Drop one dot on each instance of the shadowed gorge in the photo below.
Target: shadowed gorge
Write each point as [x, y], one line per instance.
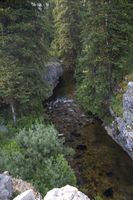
[101, 166]
[66, 85]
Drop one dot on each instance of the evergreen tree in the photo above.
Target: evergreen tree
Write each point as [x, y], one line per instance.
[24, 43]
[67, 18]
[103, 61]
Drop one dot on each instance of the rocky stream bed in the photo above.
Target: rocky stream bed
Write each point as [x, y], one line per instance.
[101, 166]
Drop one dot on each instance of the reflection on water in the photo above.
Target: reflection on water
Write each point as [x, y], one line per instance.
[101, 166]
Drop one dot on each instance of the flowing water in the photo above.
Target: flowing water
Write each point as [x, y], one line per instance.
[101, 166]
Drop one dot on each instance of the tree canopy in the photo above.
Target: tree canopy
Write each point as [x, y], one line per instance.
[24, 46]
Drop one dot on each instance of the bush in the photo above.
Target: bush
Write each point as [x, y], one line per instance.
[117, 97]
[98, 198]
[117, 104]
[40, 158]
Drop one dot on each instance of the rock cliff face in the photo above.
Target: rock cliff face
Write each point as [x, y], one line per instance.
[121, 130]
[52, 74]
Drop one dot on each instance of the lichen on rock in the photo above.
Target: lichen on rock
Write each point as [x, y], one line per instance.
[54, 70]
[6, 187]
[121, 128]
[66, 193]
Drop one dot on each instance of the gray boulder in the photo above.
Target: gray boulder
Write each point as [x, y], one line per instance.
[6, 187]
[52, 74]
[130, 84]
[27, 195]
[66, 193]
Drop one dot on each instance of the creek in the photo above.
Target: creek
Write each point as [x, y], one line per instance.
[101, 166]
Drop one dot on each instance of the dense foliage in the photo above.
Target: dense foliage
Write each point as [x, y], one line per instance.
[66, 42]
[105, 57]
[24, 42]
[94, 38]
[38, 156]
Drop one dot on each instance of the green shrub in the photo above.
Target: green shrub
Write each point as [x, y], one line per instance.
[40, 158]
[117, 104]
[98, 198]
[117, 97]
[3, 132]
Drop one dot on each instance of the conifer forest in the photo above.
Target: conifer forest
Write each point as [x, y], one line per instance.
[65, 68]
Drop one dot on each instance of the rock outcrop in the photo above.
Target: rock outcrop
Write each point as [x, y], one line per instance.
[121, 130]
[66, 193]
[6, 187]
[52, 74]
[9, 185]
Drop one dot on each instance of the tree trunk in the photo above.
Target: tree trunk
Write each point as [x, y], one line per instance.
[13, 112]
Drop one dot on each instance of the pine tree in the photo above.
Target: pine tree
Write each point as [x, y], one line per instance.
[103, 61]
[24, 43]
[67, 17]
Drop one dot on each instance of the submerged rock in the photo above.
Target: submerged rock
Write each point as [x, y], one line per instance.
[108, 193]
[75, 134]
[81, 147]
[65, 193]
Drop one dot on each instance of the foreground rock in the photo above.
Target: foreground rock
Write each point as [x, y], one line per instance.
[27, 195]
[121, 130]
[20, 186]
[65, 193]
[6, 187]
